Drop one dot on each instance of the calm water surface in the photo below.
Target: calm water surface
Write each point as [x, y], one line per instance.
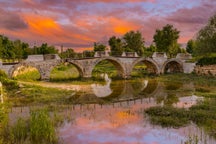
[113, 113]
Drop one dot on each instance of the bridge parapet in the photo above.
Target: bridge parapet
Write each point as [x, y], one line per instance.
[129, 54]
[36, 58]
[184, 56]
[160, 58]
[101, 54]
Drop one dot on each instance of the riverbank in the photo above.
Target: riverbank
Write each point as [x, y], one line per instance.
[165, 90]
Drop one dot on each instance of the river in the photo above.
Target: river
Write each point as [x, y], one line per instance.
[112, 112]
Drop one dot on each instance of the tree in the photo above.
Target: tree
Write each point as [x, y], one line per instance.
[191, 44]
[99, 47]
[206, 38]
[149, 50]
[116, 46]
[44, 49]
[133, 41]
[87, 53]
[166, 40]
[69, 53]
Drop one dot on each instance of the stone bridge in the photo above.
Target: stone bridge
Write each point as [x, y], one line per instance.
[157, 64]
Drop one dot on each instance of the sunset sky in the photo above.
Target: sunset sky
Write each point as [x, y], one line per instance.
[79, 23]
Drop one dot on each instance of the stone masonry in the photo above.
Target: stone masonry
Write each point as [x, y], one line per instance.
[158, 64]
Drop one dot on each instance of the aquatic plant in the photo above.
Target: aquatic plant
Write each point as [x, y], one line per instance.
[203, 114]
[19, 131]
[41, 128]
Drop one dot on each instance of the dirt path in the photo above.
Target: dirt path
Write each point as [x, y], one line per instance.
[65, 86]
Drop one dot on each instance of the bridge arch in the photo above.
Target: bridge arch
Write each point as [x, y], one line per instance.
[152, 65]
[172, 66]
[115, 61]
[16, 67]
[78, 67]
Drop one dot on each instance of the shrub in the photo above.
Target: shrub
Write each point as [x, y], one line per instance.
[207, 61]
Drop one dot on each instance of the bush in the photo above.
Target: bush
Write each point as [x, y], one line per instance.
[9, 84]
[207, 61]
[3, 74]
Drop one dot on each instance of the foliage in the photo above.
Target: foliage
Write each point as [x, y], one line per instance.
[116, 46]
[15, 50]
[104, 67]
[206, 61]
[148, 52]
[43, 49]
[64, 72]
[99, 47]
[166, 40]
[87, 53]
[168, 116]
[33, 94]
[133, 41]
[206, 38]
[8, 83]
[41, 128]
[27, 74]
[20, 131]
[191, 45]
[69, 53]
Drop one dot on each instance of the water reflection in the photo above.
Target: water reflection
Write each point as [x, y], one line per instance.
[113, 112]
[102, 90]
[123, 123]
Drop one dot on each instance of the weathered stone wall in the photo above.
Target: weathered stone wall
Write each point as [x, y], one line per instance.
[206, 70]
[35, 58]
[188, 67]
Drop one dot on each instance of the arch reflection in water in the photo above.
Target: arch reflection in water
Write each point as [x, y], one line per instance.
[114, 91]
[102, 90]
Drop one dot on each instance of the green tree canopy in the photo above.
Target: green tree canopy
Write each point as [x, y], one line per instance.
[99, 47]
[206, 38]
[166, 40]
[191, 44]
[44, 49]
[116, 46]
[12, 50]
[134, 41]
[69, 53]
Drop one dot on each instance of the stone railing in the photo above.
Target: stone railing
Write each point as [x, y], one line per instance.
[206, 70]
[101, 54]
[129, 54]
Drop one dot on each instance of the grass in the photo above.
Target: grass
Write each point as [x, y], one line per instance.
[204, 115]
[39, 128]
[104, 67]
[27, 74]
[64, 72]
[32, 94]
[168, 116]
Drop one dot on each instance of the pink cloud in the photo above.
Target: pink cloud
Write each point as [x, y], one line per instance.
[78, 25]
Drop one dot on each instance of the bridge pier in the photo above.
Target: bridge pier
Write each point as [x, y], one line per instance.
[45, 75]
[124, 65]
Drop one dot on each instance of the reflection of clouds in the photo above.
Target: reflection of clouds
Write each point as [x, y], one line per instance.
[102, 90]
[186, 102]
[113, 125]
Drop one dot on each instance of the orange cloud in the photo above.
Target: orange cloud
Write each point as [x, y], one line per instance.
[121, 26]
[42, 25]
